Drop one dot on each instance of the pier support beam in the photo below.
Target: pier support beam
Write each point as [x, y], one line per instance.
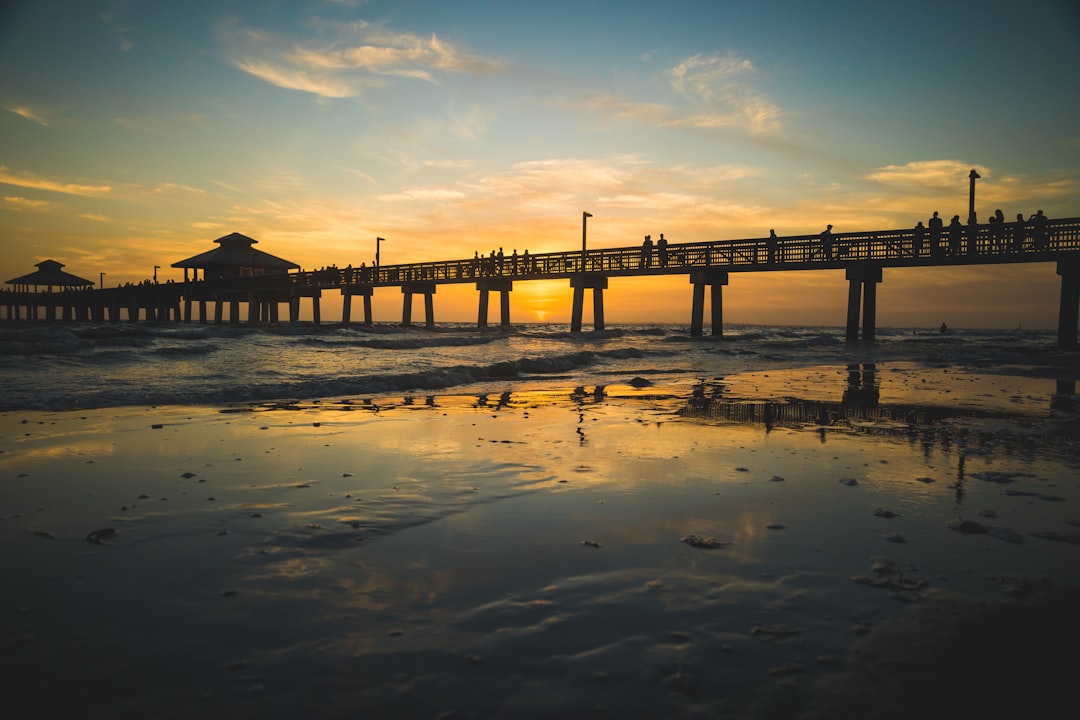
[862, 285]
[407, 291]
[716, 280]
[1069, 308]
[503, 286]
[347, 293]
[588, 281]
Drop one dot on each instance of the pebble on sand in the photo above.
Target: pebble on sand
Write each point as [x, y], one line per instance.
[100, 536]
[590, 543]
[883, 513]
[706, 543]
[850, 482]
[967, 527]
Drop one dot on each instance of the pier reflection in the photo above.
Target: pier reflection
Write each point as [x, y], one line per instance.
[859, 410]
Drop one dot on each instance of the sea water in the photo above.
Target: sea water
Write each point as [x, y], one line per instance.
[72, 366]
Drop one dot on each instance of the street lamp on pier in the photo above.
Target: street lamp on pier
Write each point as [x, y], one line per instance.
[101, 281]
[156, 268]
[972, 176]
[378, 241]
[584, 218]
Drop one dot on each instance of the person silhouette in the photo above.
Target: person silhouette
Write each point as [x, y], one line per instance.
[1019, 232]
[936, 227]
[1040, 230]
[826, 237]
[773, 246]
[956, 235]
[917, 239]
[661, 250]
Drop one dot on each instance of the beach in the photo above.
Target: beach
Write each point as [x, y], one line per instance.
[839, 540]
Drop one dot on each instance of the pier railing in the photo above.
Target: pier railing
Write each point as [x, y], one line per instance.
[983, 244]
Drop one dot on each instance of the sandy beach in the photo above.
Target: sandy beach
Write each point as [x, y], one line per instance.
[865, 541]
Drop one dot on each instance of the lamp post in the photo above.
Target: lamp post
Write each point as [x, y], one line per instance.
[972, 176]
[584, 219]
[155, 273]
[378, 241]
[101, 281]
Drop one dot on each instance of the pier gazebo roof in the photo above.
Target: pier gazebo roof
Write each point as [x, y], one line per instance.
[235, 254]
[49, 274]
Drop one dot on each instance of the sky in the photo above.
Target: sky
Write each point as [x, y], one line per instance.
[134, 133]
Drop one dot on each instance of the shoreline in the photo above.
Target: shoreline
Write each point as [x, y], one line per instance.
[527, 557]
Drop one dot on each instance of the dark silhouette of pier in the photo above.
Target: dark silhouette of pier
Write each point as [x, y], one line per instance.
[709, 266]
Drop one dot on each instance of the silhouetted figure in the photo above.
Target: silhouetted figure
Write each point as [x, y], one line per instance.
[525, 267]
[661, 250]
[500, 261]
[997, 231]
[514, 262]
[944, 328]
[956, 236]
[973, 234]
[1019, 232]
[773, 246]
[917, 239]
[936, 227]
[827, 242]
[646, 253]
[1040, 230]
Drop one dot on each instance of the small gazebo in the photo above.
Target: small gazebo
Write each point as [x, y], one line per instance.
[234, 259]
[49, 275]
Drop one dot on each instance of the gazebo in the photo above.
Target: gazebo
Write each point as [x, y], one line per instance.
[234, 259]
[49, 275]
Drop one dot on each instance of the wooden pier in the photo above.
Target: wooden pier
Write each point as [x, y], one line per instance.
[862, 256]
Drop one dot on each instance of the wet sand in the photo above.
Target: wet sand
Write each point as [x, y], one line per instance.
[871, 541]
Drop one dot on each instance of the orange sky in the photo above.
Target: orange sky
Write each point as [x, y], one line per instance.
[143, 132]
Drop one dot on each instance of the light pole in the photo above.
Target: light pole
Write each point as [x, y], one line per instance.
[972, 176]
[378, 241]
[101, 281]
[584, 218]
[155, 273]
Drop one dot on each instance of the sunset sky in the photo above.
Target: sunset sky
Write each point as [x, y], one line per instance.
[134, 133]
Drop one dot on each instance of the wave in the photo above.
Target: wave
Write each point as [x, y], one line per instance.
[239, 391]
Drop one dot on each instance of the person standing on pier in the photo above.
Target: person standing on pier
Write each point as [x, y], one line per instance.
[1040, 231]
[1019, 233]
[772, 246]
[956, 236]
[827, 242]
[936, 226]
[646, 253]
[661, 250]
[917, 239]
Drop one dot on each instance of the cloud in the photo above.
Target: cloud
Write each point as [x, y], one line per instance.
[928, 173]
[16, 202]
[95, 217]
[720, 85]
[31, 181]
[28, 114]
[345, 59]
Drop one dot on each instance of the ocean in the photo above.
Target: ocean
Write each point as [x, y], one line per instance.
[60, 367]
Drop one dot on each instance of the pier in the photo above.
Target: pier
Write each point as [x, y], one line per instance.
[709, 267]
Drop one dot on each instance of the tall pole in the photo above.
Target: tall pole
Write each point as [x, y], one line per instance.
[155, 273]
[378, 240]
[972, 176]
[101, 281]
[584, 216]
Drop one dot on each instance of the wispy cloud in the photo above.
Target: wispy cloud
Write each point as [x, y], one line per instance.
[15, 202]
[928, 173]
[95, 217]
[721, 87]
[28, 180]
[28, 114]
[345, 59]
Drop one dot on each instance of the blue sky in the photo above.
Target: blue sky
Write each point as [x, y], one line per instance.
[135, 133]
